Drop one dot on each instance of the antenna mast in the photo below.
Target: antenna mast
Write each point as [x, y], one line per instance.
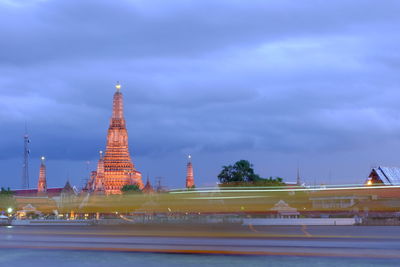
[25, 165]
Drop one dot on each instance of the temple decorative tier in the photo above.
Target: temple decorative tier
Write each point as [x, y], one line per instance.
[118, 167]
[97, 184]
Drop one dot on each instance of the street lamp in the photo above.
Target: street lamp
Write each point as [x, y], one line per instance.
[9, 210]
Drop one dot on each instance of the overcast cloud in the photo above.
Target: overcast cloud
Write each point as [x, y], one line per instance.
[280, 83]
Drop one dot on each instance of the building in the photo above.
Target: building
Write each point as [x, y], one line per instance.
[42, 189]
[283, 210]
[384, 176]
[43, 199]
[189, 174]
[116, 168]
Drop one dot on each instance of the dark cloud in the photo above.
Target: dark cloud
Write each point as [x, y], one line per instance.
[278, 83]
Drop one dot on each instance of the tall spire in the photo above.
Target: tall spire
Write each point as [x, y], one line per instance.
[189, 173]
[118, 167]
[118, 106]
[148, 189]
[42, 182]
[298, 180]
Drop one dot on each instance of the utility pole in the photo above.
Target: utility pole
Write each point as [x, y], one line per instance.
[159, 187]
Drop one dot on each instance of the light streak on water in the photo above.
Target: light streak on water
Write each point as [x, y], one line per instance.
[260, 189]
[236, 197]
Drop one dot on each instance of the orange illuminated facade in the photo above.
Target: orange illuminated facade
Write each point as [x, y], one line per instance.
[98, 180]
[189, 174]
[117, 164]
[42, 182]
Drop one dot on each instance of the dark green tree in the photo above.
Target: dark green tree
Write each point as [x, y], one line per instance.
[130, 189]
[6, 199]
[277, 181]
[242, 173]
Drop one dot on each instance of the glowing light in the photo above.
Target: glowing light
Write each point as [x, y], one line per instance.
[235, 197]
[118, 86]
[9, 210]
[369, 182]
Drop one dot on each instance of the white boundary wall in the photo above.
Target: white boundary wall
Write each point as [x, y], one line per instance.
[51, 222]
[303, 221]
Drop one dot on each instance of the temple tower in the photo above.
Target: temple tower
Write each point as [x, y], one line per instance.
[118, 167]
[189, 174]
[98, 184]
[42, 183]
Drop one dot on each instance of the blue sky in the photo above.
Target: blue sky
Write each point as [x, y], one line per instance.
[281, 83]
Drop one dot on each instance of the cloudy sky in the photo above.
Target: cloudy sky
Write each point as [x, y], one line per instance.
[313, 84]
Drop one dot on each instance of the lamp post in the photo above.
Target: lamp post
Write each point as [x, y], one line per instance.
[9, 211]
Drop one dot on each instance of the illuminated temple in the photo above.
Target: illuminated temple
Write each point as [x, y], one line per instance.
[115, 168]
[189, 174]
[42, 182]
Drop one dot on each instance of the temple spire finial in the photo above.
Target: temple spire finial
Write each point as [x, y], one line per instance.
[118, 86]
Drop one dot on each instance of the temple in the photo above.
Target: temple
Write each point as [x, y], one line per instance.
[189, 174]
[148, 189]
[116, 169]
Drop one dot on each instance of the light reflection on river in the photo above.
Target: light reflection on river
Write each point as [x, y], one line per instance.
[24, 257]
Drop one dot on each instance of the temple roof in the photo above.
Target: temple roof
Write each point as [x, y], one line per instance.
[51, 192]
[148, 188]
[388, 175]
[68, 189]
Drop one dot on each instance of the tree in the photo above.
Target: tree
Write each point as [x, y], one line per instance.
[278, 181]
[130, 188]
[242, 173]
[6, 199]
[193, 187]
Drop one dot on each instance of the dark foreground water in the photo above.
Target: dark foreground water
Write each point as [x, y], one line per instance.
[25, 257]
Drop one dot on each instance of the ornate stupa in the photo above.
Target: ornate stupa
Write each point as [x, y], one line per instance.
[98, 183]
[42, 183]
[189, 174]
[118, 167]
